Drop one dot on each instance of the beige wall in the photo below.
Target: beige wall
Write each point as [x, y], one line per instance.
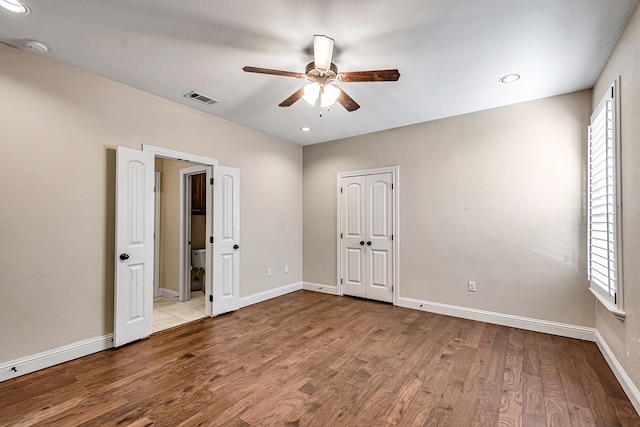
[495, 196]
[198, 231]
[58, 134]
[624, 337]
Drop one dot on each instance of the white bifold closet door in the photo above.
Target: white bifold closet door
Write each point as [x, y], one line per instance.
[367, 229]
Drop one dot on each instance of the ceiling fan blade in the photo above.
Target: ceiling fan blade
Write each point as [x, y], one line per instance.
[370, 76]
[293, 98]
[272, 72]
[347, 102]
[322, 51]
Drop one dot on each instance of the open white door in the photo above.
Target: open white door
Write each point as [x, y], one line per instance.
[226, 243]
[133, 291]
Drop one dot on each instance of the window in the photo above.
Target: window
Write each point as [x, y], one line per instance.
[603, 205]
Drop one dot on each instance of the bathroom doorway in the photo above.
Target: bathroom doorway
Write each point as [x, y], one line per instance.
[193, 223]
[134, 240]
[181, 232]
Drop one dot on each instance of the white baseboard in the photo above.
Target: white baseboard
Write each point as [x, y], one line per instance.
[29, 364]
[530, 324]
[26, 365]
[168, 293]
[625, 381]
[271, 293]
[318, 287]
[47, 359]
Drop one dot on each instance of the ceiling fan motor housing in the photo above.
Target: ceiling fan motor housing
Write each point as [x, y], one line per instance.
[322, 76]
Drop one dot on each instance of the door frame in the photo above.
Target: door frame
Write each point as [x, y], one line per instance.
[165, 153]
[156, 234]
[395, 176]
[184, 282]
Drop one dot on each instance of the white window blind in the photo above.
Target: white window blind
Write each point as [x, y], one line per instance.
[602, 209]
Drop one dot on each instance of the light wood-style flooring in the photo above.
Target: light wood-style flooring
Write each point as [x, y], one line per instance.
[312, 359]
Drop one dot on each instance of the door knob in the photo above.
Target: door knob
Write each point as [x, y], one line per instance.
[236, 246]
[369, 243]
[362, 242]
[124, 256]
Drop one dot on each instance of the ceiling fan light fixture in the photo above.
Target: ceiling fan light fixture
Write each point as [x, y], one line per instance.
[329, 96]
[15, 6]
[321, 73]
[311, 93]
[322, 51]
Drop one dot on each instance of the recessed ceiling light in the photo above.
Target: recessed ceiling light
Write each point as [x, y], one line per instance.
[305, 129]
[510, 78]
[15, 6]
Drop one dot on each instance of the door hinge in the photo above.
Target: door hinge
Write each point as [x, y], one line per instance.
[391, 288]
[210, 298]
[392, 237]
[341, 281]
[211, 181]
[341, 189]
[341, 235]
[211, 239]
[154, 236]
[155, 189]
[392, 185]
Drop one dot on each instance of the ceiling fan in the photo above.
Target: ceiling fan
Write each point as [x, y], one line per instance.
[322, 74]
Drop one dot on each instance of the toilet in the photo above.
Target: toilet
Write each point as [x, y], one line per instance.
[199, 262]
[198, 258]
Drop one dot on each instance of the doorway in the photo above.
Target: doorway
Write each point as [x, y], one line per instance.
[368, 233]
[179, 282]
[135, 243]
[193, 218]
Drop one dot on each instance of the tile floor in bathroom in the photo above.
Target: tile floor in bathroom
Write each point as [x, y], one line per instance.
[168, 313]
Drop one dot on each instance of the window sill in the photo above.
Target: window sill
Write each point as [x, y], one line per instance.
[621, 315]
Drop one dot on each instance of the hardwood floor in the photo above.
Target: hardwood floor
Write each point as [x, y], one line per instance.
[319, 360]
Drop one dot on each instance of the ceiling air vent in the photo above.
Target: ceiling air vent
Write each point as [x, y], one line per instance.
[201, 98]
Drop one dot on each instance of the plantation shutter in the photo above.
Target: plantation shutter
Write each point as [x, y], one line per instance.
[602, 255]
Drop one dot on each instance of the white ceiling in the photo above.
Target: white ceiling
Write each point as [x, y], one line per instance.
[450, 53]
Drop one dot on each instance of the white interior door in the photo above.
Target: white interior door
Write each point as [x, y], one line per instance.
[226, 243]
[208, 276]
[133, 291]
[353, 236]
[367, 241]
[379, 251]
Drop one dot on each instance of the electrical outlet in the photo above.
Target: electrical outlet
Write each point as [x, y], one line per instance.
[286, 268]
[268, 272]
[472, 286]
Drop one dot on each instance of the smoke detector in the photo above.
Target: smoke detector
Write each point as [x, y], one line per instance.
[36, 47]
